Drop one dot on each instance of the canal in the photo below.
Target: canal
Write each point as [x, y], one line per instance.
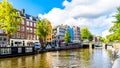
[77, 58]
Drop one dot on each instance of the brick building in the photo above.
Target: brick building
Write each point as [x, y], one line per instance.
[3, 38]
[26, 31]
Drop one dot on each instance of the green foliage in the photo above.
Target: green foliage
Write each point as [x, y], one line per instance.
[42, 29]
[9, 18]
[67, 37]
[101, 39]
[117, 16]
[85, 34]
[110, 37]
[113, 37]
[115, 29]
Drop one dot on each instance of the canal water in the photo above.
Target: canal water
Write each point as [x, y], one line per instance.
[77, 58]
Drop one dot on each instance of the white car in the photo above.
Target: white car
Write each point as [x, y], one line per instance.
[37, 45]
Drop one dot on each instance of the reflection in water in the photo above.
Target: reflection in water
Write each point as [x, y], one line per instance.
[78, 58]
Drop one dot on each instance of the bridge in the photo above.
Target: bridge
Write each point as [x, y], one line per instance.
[102, 45]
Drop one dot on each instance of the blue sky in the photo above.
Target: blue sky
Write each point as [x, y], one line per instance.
[97, 15]
[34, 7]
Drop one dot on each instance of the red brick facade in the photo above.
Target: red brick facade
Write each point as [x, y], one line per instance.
[26, 31]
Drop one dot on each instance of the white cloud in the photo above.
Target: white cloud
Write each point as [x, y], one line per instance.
[105, 33]
[56, 16]
[94, 14]
[91, 8]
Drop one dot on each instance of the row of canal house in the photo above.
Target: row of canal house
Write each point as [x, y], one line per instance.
[25, 36]
[60, 30]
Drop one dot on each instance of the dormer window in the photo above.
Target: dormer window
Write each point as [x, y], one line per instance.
[31, 18]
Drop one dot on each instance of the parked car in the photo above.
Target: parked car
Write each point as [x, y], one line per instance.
[37, 46]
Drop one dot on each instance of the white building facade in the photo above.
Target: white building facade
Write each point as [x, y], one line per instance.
[77, 35]
[61, 33]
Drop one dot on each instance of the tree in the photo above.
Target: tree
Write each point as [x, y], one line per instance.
[101, 39]
[110, 37]
[9, 18]
[42, 30]
[67, 37]
[113, 37]
[85, 34]
[115, 29]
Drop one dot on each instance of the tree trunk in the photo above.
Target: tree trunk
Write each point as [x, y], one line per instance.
[41, 42]
[44, 41]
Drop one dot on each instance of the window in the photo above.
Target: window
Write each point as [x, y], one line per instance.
[18, 28]
[34, 30]
[0, 38]
[28, 29]
[34, 37]
[30, 18]
[31, 30]
[18, 35]
[31, 36]
[27, 23]
[4, 39]
[23, 21]
[30, 23]
[13, 36]
[37, 37]
[22, 35]
[22, 28]
[34, 24]
[28, 36]
[1, 31]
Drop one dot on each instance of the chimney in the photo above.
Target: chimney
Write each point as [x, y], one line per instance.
[23, 11]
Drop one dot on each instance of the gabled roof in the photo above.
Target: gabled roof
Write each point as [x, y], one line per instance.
[27, 16]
